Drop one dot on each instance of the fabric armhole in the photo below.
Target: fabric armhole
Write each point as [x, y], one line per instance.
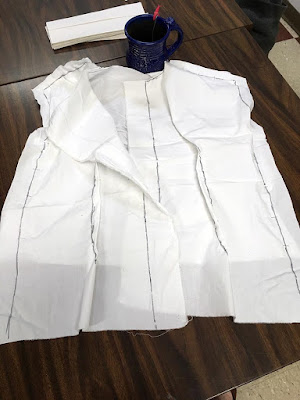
[44, 104]
[54, 86]
[239, 81]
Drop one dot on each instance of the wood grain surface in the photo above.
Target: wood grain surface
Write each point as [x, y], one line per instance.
[208, 356]
[26, 52]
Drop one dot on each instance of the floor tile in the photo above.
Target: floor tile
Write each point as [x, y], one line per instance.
[288, 28]
[285, 56]
[283, 33]
[283, 384]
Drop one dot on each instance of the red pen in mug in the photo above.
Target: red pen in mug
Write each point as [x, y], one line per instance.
[155, 15]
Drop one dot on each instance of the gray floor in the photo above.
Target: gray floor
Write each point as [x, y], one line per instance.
[285, 55]
[283, 384]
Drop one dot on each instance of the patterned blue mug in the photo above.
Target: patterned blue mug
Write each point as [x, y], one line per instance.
[147, 50]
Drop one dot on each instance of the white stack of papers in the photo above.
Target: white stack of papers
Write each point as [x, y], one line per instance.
[100, 25]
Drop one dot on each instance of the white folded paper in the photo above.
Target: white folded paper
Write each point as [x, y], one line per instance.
[100, 25]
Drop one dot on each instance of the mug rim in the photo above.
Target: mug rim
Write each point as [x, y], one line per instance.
[146, 16]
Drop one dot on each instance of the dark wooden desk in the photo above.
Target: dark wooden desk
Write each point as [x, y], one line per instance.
[26, 52]
[208, 356]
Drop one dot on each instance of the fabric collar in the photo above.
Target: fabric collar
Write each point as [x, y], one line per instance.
[85, 130]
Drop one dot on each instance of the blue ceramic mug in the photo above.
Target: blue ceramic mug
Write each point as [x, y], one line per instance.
[147, 50]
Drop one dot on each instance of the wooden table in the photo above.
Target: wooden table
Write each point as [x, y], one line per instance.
[26, 52]
[208, 356]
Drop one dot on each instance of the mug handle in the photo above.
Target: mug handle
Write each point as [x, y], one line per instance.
[174, 27]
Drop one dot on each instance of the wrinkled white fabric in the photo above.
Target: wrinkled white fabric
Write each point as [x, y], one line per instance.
[141, 200]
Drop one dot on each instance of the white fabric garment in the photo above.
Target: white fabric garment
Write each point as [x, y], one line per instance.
[144, 199]
[106, 24]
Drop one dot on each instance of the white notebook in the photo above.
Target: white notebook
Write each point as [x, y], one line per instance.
[100, 25]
